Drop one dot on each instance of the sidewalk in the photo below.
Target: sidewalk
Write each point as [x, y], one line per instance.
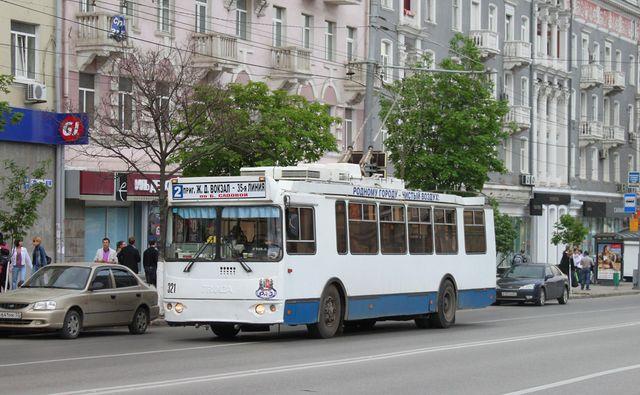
[598, 291]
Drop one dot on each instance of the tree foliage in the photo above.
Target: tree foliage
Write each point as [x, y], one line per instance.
[444, 128]
[270, 128]
[5, 110]
[569, 230]
[504, 231]
[21, 198]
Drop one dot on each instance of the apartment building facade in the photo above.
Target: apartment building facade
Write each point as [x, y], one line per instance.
[314, 49]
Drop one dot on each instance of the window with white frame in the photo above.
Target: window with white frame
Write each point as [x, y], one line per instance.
[475, 15]
[86, 95]
[431, 11]
[348, 127]
[524, 155]
[631, 125]
[201, 16]
[508, 25]
[594, 107]
[278, 26]
[606, 109]
[351, 43]
[493, 18]
[608, 61]
[618, 60]
[632, 70]
[606, 171]
[387, 4]
[585, 49]
[456, 15]
[595, 56]
[574, 51]
[616, 167]
[574, 99]
[163, 16]
[23, 50]
[524, 29]
[127, 8]
[242, 23]
[524, 91]
[508, 87]
[125, 103]
[386, 60]
[87, 5]
[583, 106]
[330, 41]
[307, 23]
[616, 113]
[508, 154]
[594, 164]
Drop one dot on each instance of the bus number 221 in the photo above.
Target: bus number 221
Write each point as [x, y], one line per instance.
[171, 288]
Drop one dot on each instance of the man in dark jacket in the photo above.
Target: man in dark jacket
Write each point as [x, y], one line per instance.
[150, 263]
[130, 256]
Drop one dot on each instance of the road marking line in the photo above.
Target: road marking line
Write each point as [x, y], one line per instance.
[339, 362]
[574, 380]
[531, 317]
[128, 354]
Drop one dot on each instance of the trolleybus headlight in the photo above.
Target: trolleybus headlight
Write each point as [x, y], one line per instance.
[169, 306]
[260, 309]
[272, 308]
[179, 307]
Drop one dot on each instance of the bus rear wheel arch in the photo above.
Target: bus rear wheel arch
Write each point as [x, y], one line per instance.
[330, 314]
[446, 306]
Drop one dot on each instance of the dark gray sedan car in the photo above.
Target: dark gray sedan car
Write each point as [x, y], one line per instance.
[536, 283]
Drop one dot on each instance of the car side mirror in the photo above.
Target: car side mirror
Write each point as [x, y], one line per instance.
[548, 276]
[96, 285]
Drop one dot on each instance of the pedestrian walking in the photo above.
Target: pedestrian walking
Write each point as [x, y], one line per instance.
[577, 258]
[4, 262]
[39, 255]
[20, 261]
[565, 261]
[130, 256]
[106, 254]
[119, 246]
[150, 262]
[586, 264]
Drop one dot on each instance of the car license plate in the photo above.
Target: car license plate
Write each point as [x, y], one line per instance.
[509, 294]
[10, 315]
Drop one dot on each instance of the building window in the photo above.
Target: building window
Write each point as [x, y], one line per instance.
[86, 95]
[595, 56]
[630, 166]
[508, 151]
[330, 41]
[387, 4]
[341, 227]
[524, 155]
[493, 18]
[420, 230]
[508, 27]
[125, 103]
[524, 91]
[594, 107]
[475, 239]
[616, 167]
[632, 70]
[507, 88]
[456, 15]
[87, 5]
[278, 30]
[572, 155]
[300, 231]
[393, 237]
[606, 109]
[163, 16]
[632, 122]
[524, 29]
[306, 30]
[594, 164]
[431, 11]
[386, 59]
[583, 106]
[446, 231]
[241, 19]
[201, 16]
[585, 48]
[616, 113]
[475, 15]
[351, 43]
[618, 61]
[348, 127]
[574, 51]
[573, 104]
[23, 50]
[363, 228]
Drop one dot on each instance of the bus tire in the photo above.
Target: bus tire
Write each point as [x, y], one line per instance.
[445, 315]
[225, 331]
[330, 315]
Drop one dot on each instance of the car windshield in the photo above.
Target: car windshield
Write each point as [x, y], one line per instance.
[525, 271]
[66, 277]
[252, 233]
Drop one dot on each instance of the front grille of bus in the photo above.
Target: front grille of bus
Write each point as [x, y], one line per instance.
[227, 271]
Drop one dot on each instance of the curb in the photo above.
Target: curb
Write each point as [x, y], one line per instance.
[603, 295]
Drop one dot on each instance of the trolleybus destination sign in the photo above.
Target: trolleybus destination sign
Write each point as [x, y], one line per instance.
[219, 190]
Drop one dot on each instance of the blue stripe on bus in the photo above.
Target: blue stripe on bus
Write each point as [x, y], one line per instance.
[362, 307]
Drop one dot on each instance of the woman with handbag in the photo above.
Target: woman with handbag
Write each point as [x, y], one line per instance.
[20, 261]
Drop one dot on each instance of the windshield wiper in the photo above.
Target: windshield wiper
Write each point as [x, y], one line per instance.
[210, 240]
[244, 264]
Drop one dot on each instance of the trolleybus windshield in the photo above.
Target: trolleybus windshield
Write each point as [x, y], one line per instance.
[253, 233]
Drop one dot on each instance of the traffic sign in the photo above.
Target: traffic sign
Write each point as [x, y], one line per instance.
[629, 203]
[634, 178]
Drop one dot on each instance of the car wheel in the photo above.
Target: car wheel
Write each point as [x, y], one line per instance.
[330, 318]
[445, 316]
[140, 322]
[225, 331]
[565, 296]
[542, 297]
[72, 325]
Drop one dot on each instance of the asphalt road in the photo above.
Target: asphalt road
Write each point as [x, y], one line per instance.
[590, 346]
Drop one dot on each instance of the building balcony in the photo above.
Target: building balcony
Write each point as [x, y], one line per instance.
[409, 21]
[517, 54]
[215, 51]
[356, 74]
[520, 116]
[291, 63]
[94, 38]
[342, 2]
[486, 41]
[590, 132]
[591, 75]
[614, 135]
[614, 81]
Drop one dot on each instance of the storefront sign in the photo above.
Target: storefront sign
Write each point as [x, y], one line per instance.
[43, 127]
[552, 198]
[594, 209]
[219, 190]
[629, 203]
[121, 187]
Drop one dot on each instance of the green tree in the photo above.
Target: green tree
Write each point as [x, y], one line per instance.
[21, 201]
[5, 83]
[569, 230]
[504, 231]
[444, 127]
[270, 128]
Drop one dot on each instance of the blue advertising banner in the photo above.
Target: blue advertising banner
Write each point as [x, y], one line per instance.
[43, 127]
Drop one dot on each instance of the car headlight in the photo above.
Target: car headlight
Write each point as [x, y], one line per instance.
[528, 286]
[45, 305]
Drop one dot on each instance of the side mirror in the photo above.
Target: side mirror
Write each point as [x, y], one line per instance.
[96, 285]
[548, 276]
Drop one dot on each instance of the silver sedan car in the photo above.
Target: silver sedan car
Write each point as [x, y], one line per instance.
[70, 297]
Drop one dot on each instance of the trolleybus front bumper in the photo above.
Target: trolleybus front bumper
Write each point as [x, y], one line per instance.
[203, 311]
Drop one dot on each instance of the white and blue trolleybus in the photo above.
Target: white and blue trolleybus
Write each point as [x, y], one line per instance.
[321, 246]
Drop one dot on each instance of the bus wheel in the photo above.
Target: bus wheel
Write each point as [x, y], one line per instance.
[330, 318]
[225, 331]
[445, 316]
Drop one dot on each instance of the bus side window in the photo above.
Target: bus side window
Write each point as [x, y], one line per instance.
[420, 230]
[300, 231]
[446, 231]
[341, 227]
[474, 232]
[393, 231]
[363, 228]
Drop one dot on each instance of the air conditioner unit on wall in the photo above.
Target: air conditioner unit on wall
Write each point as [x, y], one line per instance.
[35, 93]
